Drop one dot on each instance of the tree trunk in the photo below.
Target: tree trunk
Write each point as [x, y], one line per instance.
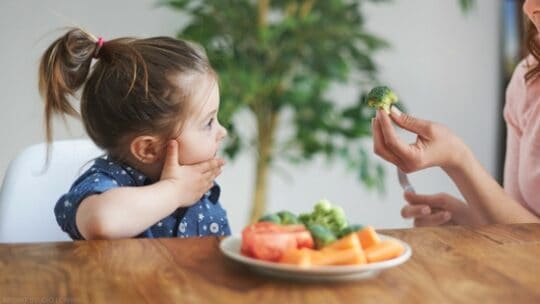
[266, 121]
[262, 12]
[266, 125]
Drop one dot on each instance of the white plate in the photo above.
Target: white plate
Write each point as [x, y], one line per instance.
[231, 245]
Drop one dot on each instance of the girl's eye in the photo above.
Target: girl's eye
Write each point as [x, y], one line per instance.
[210, 122]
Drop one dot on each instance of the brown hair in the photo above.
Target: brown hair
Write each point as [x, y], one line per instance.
[136, 86]
[533, 46]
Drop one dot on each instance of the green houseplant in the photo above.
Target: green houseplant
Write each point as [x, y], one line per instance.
[281, 56]
[466, 5]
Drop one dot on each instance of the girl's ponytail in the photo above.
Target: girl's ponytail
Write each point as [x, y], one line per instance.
[63, 70]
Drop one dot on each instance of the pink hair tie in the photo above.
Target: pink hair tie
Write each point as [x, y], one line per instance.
[99, 43]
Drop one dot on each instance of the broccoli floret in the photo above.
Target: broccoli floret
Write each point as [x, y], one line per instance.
[274, 218]
[288, 218]
[304, 218]
[381, 97]
[321, 235]
[323, 206]
[349, 229]
[327, 215]
[281, 218]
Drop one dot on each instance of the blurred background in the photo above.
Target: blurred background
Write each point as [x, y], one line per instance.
[446, 65]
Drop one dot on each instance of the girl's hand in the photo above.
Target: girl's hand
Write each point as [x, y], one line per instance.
[435, 144]
[191, 181]
[438, 209]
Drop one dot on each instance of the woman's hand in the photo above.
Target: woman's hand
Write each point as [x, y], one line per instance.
[438, 209]
[435, 144]
[191, 181]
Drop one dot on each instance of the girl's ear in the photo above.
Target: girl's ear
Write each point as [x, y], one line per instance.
[146, 149]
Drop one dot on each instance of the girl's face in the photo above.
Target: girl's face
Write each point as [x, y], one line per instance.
[202, 134]
[532, 9]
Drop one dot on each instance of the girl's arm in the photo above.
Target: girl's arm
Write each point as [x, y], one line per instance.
[127, 211]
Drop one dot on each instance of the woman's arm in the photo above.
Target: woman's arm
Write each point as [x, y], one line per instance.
[481, 191]
[438, 146]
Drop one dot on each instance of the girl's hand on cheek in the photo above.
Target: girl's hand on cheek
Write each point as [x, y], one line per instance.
[191, 181]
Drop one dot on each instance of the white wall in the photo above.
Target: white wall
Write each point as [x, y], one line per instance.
[443, 64]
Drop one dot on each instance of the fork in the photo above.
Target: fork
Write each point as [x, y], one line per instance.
[404, 181]
[407, 187]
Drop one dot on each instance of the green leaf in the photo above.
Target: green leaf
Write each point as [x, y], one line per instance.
[467, 5]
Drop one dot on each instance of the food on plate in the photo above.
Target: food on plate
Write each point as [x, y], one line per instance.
[288, 218]
[273, 218]
[345, 251]
[350, 229]
[283, 217]
[384, 250]
[327, 215]
[320, 238]
[268, 241]
[368, 237]
[381, 97]
[295, 256]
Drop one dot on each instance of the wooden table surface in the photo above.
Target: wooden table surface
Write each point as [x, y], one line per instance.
[491, 264]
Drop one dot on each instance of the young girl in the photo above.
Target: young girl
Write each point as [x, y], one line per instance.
[487, 202]
[151, 105]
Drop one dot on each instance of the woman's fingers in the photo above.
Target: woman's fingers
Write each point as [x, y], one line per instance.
[391, 140]
[439, 201]
[410, 123]
[435, 219]
[415, 211]
[379, 146]
[423, 216]
[441, 206]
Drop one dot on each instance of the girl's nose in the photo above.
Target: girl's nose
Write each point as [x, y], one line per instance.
[222, 132]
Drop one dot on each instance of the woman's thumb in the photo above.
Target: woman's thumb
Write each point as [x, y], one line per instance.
[408, 122]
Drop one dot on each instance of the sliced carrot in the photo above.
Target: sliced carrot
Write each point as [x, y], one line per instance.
[384, 250]
[300, 257]
[368, 237]
[351, 256]
[346, 242]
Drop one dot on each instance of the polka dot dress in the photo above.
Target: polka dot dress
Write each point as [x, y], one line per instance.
[205, 218]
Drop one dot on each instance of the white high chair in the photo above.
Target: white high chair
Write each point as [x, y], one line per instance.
[30, 191]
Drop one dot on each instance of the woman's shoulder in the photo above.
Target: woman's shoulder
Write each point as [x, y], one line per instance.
[520, 70]
[521, 95]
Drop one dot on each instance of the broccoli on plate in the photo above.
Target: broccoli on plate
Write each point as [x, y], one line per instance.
[327, 215]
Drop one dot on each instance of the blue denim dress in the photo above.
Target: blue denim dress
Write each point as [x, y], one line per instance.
[204, 218]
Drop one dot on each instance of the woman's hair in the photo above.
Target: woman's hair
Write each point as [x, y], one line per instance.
[136, 86]
[533, 47]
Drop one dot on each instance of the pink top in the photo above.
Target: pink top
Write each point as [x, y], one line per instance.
[522, 116]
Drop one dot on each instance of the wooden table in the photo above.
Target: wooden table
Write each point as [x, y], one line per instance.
[492, 264]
